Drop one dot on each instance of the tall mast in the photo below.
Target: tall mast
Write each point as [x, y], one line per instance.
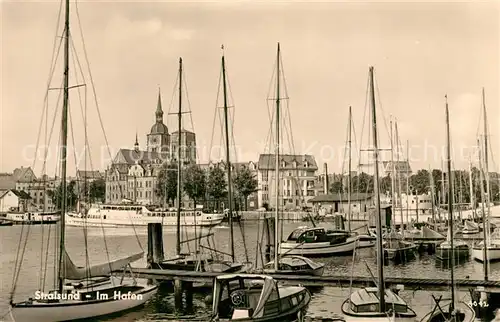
[398, 175]
[407, 184]
[485, 231]
[349, 174]
[486, 170]
[431, 181]
[393, 169]
[450, 204]
[64, 133]
[228, 161]
[179, 162]
[471, 190]
[277, 161]
[380, 254]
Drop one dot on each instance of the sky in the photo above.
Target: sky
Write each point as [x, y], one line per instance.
[421, 51]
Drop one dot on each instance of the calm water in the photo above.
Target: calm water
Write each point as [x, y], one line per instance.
[122, 241]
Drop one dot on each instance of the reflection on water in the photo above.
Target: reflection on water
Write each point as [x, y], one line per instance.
[120, 242]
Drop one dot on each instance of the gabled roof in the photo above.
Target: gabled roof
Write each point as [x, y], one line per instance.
[267, 162]
[89, 174]
[19, 194]
[337, 197]
[21, 173]
[129, 156]
[399, 166]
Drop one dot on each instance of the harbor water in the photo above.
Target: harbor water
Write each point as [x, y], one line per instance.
[119, 242]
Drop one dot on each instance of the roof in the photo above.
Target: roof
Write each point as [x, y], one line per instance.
[159, 128]
[292, 161]
[182, 131]
[399, 166]
[129, 156]
[19, 194]
[337, 197]
[368, 295]
[89, 174]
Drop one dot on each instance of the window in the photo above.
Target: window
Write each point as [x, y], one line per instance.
[265, 175]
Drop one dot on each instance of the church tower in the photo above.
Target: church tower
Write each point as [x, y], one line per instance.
[158, 138]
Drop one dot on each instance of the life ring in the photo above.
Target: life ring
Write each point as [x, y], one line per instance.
[237, 298]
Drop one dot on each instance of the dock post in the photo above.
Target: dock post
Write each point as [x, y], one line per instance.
[178, 294]
[155, 244]
[188, 288]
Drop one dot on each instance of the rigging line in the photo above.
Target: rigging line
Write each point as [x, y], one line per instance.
[380, 105]
[215, 116]
[18, 271]
[97, 107]
[16, 264]
[83, 109]
[83, 105]
[46, 259]
[363, 123]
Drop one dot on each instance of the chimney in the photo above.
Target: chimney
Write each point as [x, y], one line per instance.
[326, 184]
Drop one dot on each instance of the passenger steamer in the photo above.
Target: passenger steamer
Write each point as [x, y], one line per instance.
[112, 216]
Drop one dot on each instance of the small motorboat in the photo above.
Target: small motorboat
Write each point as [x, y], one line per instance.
[295, 265]
[441, 312]
[460, 249]
[397, 249]
[317, 241]
[363, 305]
[259, 298]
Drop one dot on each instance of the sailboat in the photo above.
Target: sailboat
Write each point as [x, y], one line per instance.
[285, 263]
[376, 303]
[489, 248]
[196, 261]
[396, 248]
[82, 292]
[455, 311]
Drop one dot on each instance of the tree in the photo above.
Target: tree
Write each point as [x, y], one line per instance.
[245, 183]
[362, 183]
[216, 184]
[97, 190]
[386, 184]
[71, 197]
[194, 183]
[420, 182]
[167, 182]
[337, 187]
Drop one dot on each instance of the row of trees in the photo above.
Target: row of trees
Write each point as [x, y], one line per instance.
[420, 183]
[93, 191]
[205, 186]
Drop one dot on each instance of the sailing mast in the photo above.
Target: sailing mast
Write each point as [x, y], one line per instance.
[380, 254]
[349, 214]
[64, 147]
[179, 162]
[471, 191]
[431, 181]
[393, 169]
[485, 231]
[407, 184]
[486, 170]
[228, 162]
[398, 176]
[277, 162]
[450, 206]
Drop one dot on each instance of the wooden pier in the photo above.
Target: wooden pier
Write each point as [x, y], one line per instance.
[333, 281]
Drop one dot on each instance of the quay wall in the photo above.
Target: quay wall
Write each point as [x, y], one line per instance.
[291, 215]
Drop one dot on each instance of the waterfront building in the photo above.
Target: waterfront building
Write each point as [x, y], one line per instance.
[133, 173]
[13, 200]
[297, 175]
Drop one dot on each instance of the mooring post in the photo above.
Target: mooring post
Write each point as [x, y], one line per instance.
[188, 288]
[178, 284]
[155, 244]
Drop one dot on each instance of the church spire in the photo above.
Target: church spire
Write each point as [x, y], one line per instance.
[159, 110]
[136, 144]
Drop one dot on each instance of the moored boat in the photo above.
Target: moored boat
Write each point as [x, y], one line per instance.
[296, 265]
[114, 216]
[259, 298]
[460, 250]
[470, 228]
[441, 312]
[363, 305]
[397, 249]
[318, 241]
